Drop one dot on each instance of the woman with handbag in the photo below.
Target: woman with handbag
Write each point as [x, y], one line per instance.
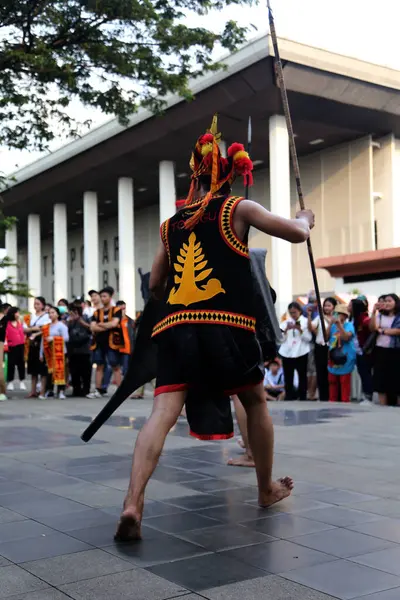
[35, 366]
[386, 324]
[342, 355]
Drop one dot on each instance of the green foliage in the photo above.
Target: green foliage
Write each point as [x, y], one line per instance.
[113, 55]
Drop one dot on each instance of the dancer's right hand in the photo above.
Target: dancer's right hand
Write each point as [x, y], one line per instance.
[306, 215]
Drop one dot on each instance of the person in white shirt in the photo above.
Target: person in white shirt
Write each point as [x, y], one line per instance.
[294, 351]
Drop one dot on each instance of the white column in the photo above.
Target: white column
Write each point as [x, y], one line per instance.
[279, 173]
[12, 253]
[223, 148]
[90, 242]
[126, 241]
[167, 190]
[60, 248]
[34, 257]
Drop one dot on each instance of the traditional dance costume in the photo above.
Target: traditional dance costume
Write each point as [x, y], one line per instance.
[217, 295]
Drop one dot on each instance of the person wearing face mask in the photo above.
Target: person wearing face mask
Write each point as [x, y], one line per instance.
[62, 306]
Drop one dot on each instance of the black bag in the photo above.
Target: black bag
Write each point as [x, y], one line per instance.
[337, 356]
[370, 344]
[78, 336]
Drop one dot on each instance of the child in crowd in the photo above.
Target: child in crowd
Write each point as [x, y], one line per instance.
[274, 383]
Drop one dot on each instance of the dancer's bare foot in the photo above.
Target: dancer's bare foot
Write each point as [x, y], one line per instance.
[129, 527]
[243, 461]
[279, 490]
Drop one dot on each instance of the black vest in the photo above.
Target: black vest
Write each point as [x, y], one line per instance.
[210, 278]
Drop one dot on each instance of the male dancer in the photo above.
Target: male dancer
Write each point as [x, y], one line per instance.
[106, 325]
[207, 337]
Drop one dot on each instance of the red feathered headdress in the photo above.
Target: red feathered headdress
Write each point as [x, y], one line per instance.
[207, 160]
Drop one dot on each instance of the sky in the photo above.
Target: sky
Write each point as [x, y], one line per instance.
[365, 29]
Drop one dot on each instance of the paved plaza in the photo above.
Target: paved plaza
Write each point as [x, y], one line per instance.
[338, 536]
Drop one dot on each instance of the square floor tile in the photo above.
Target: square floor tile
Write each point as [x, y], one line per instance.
[342, 542]
[90, 517]
[102, 535]
[286, 526]
[15, 487]
[152, 508]
[382, 506]
[278, 556]
[15, 580]
[223, 537]
[234, 512]
[387, 529]
[181, 522]
[9, 516]
[335, 496]
[202, 501]
[172, 475]
[40, 504]
[207, 571]
[137, 584]
[341, 516]
[22, 530]
[295, 504]
[158, 490]
[388, 595]
[343, 579]
[152, 551]
[75, 567]
[211, 485]
[239, 494]
[302, 488]
[33, 548]
[47, 594]
[385, 560]
[270, 587]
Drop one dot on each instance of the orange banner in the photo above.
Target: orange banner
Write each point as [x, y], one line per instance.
[27, 321]
[47, 348]
[58, 360]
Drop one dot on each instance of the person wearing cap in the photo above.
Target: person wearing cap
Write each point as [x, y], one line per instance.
[342, 354]
[206, 332]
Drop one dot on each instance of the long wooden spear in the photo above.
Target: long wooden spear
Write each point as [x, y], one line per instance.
[293, 153]
[249, 140]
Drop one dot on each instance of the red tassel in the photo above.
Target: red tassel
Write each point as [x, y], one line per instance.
[206, 138]
[235, 147]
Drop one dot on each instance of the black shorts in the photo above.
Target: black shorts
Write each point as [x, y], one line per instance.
[274, 393]
[214, 356]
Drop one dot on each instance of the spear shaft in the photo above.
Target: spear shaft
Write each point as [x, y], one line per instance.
[249, 140]
[293, 154]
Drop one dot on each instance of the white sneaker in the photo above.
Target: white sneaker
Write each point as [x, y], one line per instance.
[3, 398]
[366, 402]
[22, 385]
[94, 394]
[42, 397]
[10, 386]
[61, 396]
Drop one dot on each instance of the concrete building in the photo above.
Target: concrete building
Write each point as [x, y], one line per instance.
[89, 213]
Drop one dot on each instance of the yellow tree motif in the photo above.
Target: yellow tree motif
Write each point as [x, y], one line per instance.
[191, 266]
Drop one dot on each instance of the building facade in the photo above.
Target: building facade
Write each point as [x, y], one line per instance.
[89, 213]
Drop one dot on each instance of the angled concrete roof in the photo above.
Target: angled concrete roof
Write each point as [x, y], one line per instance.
[291, 51]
